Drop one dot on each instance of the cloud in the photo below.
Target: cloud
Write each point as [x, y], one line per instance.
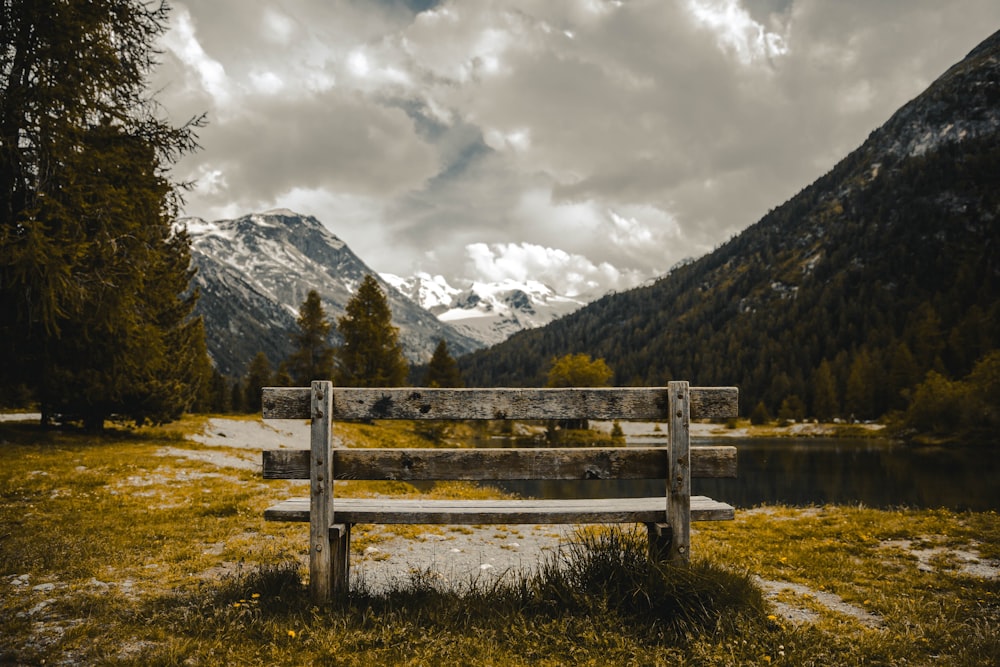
[181, 41]
[737, 32]
[567, 273]
[607, 139]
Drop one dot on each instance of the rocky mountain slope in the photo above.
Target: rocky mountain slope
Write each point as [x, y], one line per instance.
[487, 312]
[840, 300]
[255, 271]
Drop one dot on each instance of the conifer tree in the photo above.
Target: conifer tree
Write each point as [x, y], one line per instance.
[283, 377]
[313, 356]
[95, 311]
[442, 371]
[258, 375]
[860, 398]
[371, 355]
[825, 403]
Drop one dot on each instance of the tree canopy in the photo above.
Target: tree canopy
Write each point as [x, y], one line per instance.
[94, 281]
[371, 355]
[578, 370]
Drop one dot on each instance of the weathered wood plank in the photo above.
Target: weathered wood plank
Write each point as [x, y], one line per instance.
[502, 464]
[405, 510]
[602, 403]
[679, 477]
[322, 554]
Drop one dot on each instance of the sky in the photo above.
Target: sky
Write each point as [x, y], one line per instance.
[588, 144]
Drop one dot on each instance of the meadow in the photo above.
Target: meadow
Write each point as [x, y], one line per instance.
[144, 547]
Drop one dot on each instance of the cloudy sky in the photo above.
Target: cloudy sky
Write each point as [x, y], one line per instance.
[590, 144]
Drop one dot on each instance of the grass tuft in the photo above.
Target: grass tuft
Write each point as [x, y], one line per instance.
[605, 574]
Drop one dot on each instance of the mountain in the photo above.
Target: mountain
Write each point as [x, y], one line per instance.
[839, 301]
[254, 272]
[487, 312]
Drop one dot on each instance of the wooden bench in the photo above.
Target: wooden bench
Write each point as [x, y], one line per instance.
[330, 517]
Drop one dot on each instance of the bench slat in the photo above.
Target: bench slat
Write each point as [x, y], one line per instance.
[608, 403]
[502, 464]
[602, 510]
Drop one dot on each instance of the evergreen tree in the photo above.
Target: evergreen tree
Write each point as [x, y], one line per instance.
[825, 403]
[442, 371]
[313, 356]
[220, 397]
[371, 355]
[860, 395]
[792, 409]
[283, 377]
[760, 415]
[903, 375]
[238, 393]
[258, 376]
[95, 312]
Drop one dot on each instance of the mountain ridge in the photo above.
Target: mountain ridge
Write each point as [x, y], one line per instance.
[489, 312]
[254, 271]
[879, 271]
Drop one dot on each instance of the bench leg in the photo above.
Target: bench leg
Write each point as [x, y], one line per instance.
[661, 540]
[340, 548]
[659, 535]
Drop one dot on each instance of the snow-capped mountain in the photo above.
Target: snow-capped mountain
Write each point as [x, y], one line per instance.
[488, 312]
[254, 272]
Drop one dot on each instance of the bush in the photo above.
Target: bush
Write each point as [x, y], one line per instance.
[760, 415]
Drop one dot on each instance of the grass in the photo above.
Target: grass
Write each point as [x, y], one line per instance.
[112, 553]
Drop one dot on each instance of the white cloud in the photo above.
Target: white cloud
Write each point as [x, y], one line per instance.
[592, 142]
[277, 27]
[567, 273]
[737, 32]
[183, 43]
[267, 83]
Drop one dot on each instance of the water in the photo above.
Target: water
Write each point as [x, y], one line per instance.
[806, 471]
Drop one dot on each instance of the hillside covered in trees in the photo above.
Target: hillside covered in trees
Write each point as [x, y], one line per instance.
[840, 301]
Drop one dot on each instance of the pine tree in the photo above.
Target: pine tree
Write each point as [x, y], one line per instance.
[258, 375]
[371, 355]
[95, 312]
[283, 377]
[442, 371]
[825, 403]
[860, 394]
[313, 356]
[760, 415]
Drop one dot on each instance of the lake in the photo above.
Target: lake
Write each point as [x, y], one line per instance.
[806, 471]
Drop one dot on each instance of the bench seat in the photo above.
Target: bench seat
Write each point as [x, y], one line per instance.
[406, 510]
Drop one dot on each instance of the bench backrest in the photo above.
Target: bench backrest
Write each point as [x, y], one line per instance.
[586, 463]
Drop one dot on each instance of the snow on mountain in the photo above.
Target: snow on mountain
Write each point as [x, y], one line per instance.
[254, 272]
[487, 312]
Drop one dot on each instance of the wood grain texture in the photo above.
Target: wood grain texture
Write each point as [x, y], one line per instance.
[679, 477]
[407, 511]
[601, 403]
[590, 463]
[322, 554]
